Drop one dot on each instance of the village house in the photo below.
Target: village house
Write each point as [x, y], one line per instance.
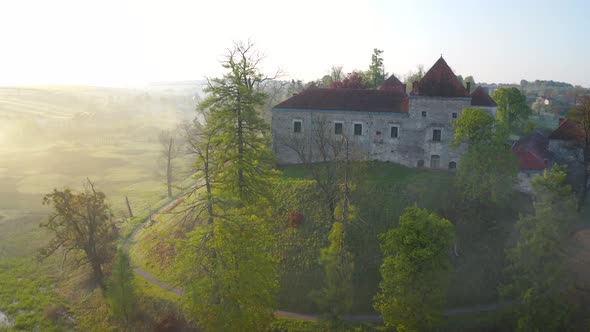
[414, 130]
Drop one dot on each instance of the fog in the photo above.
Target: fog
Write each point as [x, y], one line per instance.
[52, 137]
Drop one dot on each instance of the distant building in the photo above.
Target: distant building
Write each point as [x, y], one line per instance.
[533, 158]
[385, 124]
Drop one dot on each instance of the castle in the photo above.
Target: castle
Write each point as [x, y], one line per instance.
[386, 124]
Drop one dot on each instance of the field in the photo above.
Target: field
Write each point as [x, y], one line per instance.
[56, 137]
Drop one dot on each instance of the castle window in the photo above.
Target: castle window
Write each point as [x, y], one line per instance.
[436, 133]
[454, 115]
[452, 165]
[297, 126]
[420, 163]
[358, 129]
[434, 161]
[423, 114]
[394, 132]
[338, 128]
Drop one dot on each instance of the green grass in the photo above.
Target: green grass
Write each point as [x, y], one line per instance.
[27, 293]
[545, 122]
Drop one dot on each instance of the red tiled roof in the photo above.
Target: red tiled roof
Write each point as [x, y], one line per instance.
[440, 81]
[393, 84]
[479, 97]
[567, 130]
[348, 100]
[531, 151]
[391, 81]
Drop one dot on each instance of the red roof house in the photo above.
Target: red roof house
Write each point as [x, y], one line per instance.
[531, 152]
[567, 130]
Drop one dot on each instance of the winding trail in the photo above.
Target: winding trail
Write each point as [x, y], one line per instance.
[366, 318]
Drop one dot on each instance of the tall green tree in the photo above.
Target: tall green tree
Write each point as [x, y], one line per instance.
[415, 271]
[581, 115]
[513, 109]
[81, 224]
[228, 260]
[335, 298]
[487, 171]
[121, 289]
[232, 280]
[376, 73]
[234, 104]
[538, 263]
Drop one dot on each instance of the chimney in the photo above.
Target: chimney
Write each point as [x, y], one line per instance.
[560, 121]
[415, 87]
[404, 88]
[468, 87]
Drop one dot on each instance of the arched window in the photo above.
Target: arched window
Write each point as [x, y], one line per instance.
[420, 163]
[434, 161]
[452, 165]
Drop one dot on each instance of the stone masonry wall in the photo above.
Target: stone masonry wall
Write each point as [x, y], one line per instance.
[415, 132]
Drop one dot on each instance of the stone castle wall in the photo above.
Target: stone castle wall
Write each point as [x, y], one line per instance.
[414, 143]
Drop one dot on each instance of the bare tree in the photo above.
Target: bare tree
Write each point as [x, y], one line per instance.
[201, 142]
[328, 158]
[169, 151]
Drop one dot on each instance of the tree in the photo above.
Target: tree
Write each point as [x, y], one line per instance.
[581, 115]
[487, 171]
[512, 107]
[121, 290]
[538, 262]
[233, 105]
[335, 298]
[168, 152]
[415, 271]
[201, 141]
[353, 80]
[319, 156]
[232, 273]
[228, 261]
[81, 223]
[413, 76]
[376, 73]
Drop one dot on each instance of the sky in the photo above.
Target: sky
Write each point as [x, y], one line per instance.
[124, 43]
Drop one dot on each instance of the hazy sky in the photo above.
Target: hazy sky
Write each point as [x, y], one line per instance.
[132, 42]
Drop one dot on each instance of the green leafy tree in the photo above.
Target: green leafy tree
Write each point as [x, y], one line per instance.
[228, 262]
[376, 73]
[233, 105]
[232, 280]
[581, 115]
[81, 223]
[538, 263]
[335, 298]
[513, 109]
[487, 171]
[415, 271]
[121, 289]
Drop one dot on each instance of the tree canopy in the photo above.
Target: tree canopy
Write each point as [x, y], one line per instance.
[81, 222]
[487, 171]
[513, 109]
[538, 263]
[415, 270]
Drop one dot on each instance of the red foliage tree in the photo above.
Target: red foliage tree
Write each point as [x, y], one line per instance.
[352, 81]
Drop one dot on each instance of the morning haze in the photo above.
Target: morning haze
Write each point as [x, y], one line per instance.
[294, 166]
